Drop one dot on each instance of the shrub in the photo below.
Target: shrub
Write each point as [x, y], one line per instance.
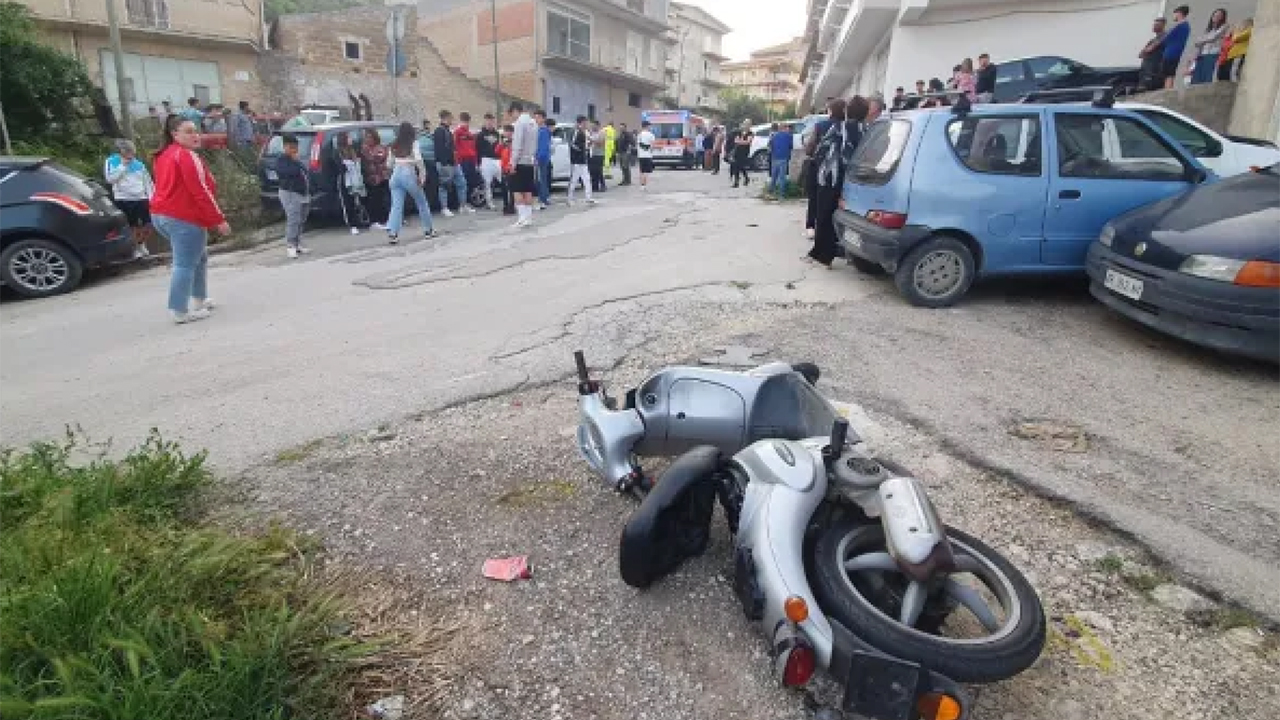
[41, 88]
[112, 605]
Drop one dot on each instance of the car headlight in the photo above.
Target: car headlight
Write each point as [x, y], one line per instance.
[1107, 235]
[1251, 273]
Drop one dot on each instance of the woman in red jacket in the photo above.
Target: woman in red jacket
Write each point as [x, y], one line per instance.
[183, 209]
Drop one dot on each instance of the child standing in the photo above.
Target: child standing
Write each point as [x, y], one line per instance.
[131, 189]
[295, 195]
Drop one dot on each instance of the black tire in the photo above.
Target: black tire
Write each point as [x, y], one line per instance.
[947, 256]
[864, 265]
[760, 161]
[63, 268]
[974, 661]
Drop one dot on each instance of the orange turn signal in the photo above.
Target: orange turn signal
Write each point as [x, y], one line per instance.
[796, 608]
[1259, 273]
[937, 706]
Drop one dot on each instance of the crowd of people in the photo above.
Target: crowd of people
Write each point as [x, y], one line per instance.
[1217, 54]
[978, 83]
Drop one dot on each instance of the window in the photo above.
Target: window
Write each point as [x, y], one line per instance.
[879, 153]
[655, 54]
[568, 33]
[1056, 67]
[999, 145]
[1010, 72]
[1196, 142]
[633, 100]
[148, 13]
[635, 52]
[1113, 148]
[201, 93]
[555, 104]
[351, 50]
[591, 112]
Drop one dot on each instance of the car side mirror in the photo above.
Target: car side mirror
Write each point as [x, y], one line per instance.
[1197, 175]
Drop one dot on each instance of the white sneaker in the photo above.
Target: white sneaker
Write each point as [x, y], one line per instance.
[808, 233]
[190, 316]
[304, 250]
[141, 252]
[429, 233]
[542, 206]
[468, 209]
[292, 251]
[205, 304]
[591, 201]
[355, 231]
[393, 239]
[446, 212]
[379, 226]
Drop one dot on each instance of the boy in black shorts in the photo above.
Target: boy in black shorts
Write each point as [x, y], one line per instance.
[131, 190]
[644, 152]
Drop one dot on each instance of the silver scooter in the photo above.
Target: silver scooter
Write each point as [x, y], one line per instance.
[840, 557]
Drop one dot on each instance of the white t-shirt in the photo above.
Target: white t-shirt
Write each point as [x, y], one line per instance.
[644, 145]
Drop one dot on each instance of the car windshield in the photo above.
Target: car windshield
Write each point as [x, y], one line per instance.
[878, 156]
[667, 131]
[276, 145]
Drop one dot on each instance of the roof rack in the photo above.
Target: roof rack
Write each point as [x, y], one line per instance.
[1101, 96]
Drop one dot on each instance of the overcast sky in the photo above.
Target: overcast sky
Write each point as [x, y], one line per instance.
[755, 25]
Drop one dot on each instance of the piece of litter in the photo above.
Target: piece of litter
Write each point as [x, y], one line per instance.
[507, 569]
[388, 708]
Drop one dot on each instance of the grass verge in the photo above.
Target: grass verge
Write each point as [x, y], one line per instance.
[115, 603]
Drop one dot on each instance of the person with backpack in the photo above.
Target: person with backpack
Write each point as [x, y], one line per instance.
[835, 114]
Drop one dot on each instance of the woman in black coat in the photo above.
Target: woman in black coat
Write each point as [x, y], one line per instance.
[835, 150]
[835, 114]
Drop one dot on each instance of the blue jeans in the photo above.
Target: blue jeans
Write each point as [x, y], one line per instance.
[404, 181]
[778, 176]
[459, 185]
[190, 261]
[544, 181]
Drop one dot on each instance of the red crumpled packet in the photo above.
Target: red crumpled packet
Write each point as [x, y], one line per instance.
[507, 569]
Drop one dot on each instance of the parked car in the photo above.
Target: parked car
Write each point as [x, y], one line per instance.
[561, 168]
[760, 141]
[54, 224]
[940, 197]
[317, 146]
[1203, 266]
[1016, 78]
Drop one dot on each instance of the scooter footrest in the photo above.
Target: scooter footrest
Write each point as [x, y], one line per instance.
[883, 688]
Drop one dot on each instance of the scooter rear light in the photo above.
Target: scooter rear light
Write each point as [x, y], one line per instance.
[938, 706]
[887, 220]
[801, 662]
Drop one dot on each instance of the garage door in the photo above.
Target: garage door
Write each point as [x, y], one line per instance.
[151, 80]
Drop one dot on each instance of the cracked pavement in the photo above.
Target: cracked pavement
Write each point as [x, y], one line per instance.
[1180, 448]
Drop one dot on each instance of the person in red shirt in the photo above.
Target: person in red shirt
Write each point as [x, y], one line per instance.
[464, 144]
[183, 209]
[508, 168]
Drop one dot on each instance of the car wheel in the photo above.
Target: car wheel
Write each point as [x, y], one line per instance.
[864, 265]
[937, 273]
[761, 161]
[36, 267]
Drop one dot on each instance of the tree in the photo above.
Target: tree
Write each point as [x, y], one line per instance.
[739, 106]
[43, 90]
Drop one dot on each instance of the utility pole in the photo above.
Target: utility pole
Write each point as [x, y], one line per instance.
[497, 76]
[117, 52]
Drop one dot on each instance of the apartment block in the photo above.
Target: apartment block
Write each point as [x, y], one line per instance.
[174, 49]
[771, 74]
[693, 66]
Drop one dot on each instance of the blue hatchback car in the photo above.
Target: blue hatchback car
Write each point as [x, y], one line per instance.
[943, 196]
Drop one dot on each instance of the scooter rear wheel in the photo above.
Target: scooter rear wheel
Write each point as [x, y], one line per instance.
[1013, 631]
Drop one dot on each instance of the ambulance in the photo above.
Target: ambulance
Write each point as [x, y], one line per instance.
[674, 132]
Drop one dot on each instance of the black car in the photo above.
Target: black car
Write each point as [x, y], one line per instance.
[1016, 78]
[318, 148]
[1203, 266]
[55, 223]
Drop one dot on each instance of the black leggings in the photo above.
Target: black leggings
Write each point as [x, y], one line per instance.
[811, 190]
[740, 168]
[825, 248]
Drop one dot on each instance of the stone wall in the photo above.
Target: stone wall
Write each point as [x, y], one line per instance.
[1257, 107]
[1209, 104]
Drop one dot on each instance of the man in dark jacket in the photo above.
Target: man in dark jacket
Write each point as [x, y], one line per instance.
[579, 153]
[453, 187]
[1149, 76]
[985, 83]
[624, 147]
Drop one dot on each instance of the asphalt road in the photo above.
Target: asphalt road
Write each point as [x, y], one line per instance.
[1178, 445]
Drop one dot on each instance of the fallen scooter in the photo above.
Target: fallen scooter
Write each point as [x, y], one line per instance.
[840, 557]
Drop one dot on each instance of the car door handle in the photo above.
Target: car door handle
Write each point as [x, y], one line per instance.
[1069, 195]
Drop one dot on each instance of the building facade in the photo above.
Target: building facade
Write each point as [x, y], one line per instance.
[771, 74]
[603, 59]
[174, 49]
[693, 67]
[869, 46]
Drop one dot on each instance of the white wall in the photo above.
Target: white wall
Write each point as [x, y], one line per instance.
[1094, 32]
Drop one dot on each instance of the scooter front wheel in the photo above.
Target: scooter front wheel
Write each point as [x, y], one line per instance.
[981, 623]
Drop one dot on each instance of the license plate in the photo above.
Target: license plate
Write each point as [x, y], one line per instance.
[881, 687]
[1122, 284]
[853, 238]
[271, 175]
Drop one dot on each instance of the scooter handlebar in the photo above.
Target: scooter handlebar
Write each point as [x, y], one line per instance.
[839, 434]
[581, 361]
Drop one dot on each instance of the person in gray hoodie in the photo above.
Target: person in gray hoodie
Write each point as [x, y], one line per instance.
[524, 148]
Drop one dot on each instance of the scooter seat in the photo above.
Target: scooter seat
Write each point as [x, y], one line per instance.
[674, 521]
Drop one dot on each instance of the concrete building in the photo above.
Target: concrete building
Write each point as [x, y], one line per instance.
[866, 46]
[771, 74]
[693, 65]
[174, 49]
[605, 59]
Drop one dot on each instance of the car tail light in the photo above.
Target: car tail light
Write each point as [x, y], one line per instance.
[887, 220]
[316, 144]
[113, 234]
[67, 202]
[801, 661]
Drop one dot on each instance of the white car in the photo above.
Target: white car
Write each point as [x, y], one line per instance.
[1225, 155]
[760, 142]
